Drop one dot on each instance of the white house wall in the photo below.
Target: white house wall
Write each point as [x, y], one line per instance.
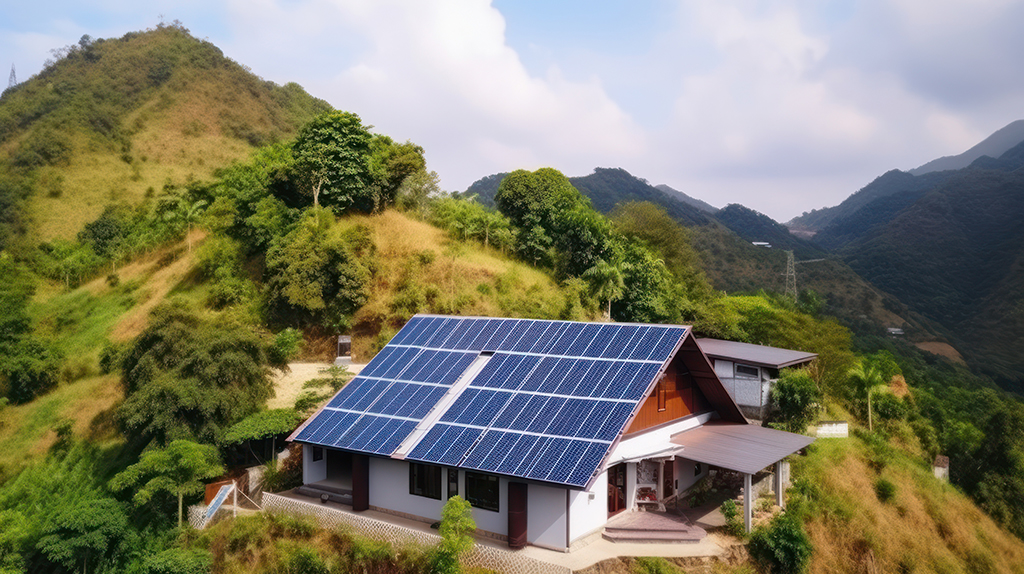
[389, 488]
[685, 475]
[545, 516]
[588, 510]
[313, 471]
[724, 369]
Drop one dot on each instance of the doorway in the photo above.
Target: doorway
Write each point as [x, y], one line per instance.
[616, 489]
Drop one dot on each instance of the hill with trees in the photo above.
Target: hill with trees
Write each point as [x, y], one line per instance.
[137, 343]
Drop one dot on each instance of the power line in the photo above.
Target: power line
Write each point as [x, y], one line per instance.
[14, 78]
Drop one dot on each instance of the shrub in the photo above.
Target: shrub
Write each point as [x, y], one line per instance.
[889, 407]
[782, 547]
[654, 565]
[286, 345]
[795, 398]
[733, 523]
[178, 561]
[885, 490]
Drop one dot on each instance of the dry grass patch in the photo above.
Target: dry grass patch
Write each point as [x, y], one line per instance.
[927, 526]
[161, 281]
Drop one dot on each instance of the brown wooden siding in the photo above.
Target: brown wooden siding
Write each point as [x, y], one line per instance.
[674, 397]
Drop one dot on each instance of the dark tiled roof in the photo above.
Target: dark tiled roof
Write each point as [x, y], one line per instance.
[760, 355]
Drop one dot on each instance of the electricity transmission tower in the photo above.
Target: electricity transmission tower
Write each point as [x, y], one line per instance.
[791, 264]
[14, 78]
[790, 276]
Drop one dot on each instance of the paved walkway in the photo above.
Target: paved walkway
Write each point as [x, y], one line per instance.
[596, 551]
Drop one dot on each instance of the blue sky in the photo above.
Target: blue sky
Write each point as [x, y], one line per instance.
[782, 106]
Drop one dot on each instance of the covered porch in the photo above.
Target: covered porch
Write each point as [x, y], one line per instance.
[746, 449]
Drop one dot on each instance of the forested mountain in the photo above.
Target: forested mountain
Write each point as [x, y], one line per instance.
[955, 256]
[754, 226]
[676, 194]
[116, 120]
[178, 230]
[994, 145]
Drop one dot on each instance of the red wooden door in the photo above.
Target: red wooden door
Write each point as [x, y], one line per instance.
[616, 489]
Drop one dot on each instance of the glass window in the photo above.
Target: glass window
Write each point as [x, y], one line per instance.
[482, 490]
[747, 371]
[425, 480]
[318, 454]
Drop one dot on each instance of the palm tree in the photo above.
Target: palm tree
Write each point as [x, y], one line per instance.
[606, 283]
[188, 214]
[866, 378]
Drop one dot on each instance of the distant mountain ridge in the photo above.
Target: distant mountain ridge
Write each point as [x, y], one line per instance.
[994, 146]
[676, 194]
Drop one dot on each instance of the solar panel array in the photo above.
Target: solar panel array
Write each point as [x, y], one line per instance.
[547, 405]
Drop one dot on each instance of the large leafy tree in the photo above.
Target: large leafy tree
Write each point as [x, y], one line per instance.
[332, 159]
[178, 469]
[389, 165]
[314, 274]
[27, 366]
[84, 533]
[188, 376]
[537, 198]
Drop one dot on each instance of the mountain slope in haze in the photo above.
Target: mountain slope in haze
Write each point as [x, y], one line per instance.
[955, 256]
[994, 145]
[114, 120]
[606, 188]
[754, 226]
[676, 194]
[896, 182]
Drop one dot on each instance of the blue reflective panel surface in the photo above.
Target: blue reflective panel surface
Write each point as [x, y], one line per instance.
[553, 334]
[539, 374]
[547, 459]
[637, 388]
[565, 339]
[458, 408]
[530, 412]
[498, 335]
[483, 448]
[604, 336]
[519, 329]
[427, 400]
[517, 453]
[574, 451]
[641, 347]
[668, 342]
[406, 331]
[534, 333]
[441, 333]
[576, 376]
[586, 336]
[464, 333]
[588, 464]
[615, 421]
[620, 341]
[547, 414]
[555, 376]
[365, 396]
[591, 426]
[392, 399]
[504, 444]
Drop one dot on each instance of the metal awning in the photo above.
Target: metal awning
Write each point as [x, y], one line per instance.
[739, 447]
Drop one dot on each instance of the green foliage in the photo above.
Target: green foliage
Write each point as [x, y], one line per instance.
[389, 165]
[84, 534]
[286, 346]
[283, 474]
[179, 469]
[885, 490]
[178, 561]
[796, 399]
[536, 198]
[264, 424]
[654, 565]
[314, 274]
[332, 159]
[782, 547]
[733, 521]
[302, 560]
[606, 283]
[187, 376]
[889, 407]
[457, 527]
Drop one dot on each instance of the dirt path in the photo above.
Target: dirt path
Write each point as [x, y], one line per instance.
[288, 385]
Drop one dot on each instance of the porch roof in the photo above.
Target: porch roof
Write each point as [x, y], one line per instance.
[739, 447]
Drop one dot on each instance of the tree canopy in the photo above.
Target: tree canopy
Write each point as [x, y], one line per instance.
[332, 159]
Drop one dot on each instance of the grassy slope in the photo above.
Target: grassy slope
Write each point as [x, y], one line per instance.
[928, 526]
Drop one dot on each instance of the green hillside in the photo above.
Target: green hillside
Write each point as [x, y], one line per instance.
[117, 120]
[140, 325]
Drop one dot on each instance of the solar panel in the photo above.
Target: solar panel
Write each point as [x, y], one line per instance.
[547, 405]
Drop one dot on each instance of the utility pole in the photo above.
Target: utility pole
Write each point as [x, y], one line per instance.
[14, 79]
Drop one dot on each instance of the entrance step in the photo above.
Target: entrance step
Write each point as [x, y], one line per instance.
[653, 527]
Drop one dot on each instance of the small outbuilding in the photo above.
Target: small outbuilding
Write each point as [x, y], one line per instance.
[748, 371]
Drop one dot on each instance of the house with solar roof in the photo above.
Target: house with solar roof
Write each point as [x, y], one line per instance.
[548, 428]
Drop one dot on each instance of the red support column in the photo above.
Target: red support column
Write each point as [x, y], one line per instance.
[360, 482]
[517, 503]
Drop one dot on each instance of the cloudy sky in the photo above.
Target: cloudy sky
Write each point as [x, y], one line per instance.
[782, 106]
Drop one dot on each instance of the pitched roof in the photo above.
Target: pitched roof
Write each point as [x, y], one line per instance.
[761, 355]
[543, 400]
